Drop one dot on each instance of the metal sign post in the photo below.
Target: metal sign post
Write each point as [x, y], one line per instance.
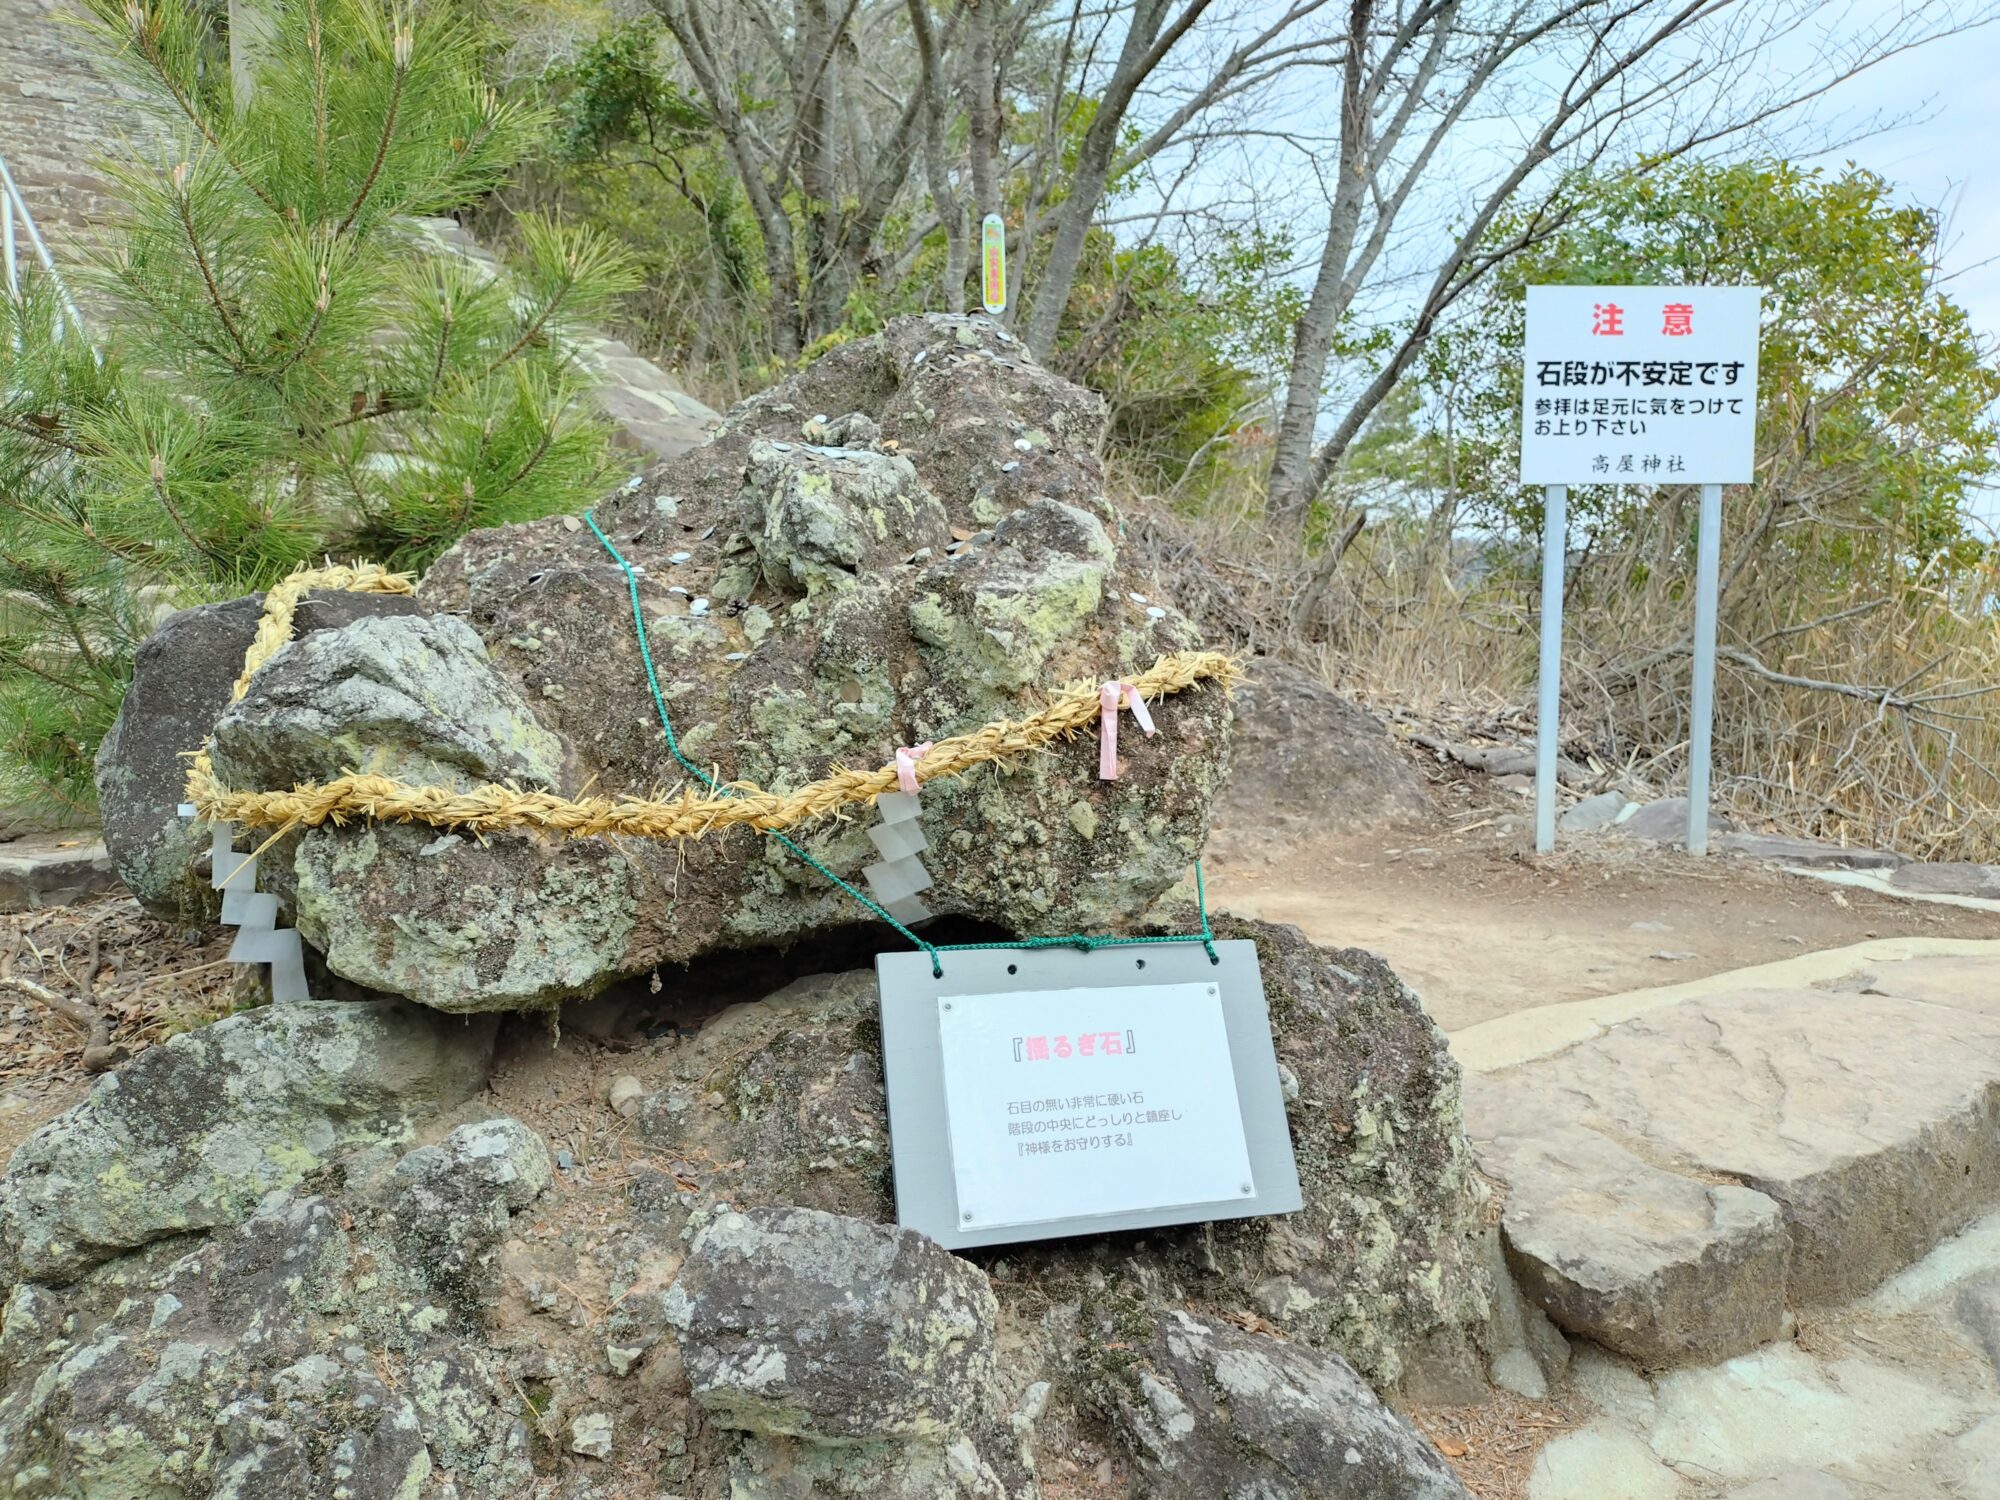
[1701, 702]
[1548, 711]
[1624, 385]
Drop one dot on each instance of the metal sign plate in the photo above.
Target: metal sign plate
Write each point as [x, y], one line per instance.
[1639, 385]
[1038, 1094]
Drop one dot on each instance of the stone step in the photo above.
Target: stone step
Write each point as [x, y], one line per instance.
[58, 870]
[1674, 1184]
[1894, 1397]
[1950, 879]
[1662, 1267]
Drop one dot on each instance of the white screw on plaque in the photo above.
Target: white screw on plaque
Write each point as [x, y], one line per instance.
[1049, 1092]
[1631, 385]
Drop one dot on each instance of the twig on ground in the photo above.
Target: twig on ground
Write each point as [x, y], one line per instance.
[98, 1051]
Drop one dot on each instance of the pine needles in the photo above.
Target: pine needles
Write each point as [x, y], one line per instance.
[287, 366]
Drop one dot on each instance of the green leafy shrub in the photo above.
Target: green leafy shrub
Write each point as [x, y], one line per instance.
[289, 364]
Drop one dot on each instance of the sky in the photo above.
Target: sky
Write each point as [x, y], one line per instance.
[1927, 120]
[1944, 156]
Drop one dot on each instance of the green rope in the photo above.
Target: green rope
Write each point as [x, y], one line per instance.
[1081, 941]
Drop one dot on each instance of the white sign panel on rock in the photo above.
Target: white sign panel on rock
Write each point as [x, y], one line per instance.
[1065, 1103]
[1047, 1092]
[1639, 385]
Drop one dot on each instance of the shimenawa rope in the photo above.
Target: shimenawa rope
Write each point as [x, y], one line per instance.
[691, 813]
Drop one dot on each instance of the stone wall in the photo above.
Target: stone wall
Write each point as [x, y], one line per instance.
[59, 116]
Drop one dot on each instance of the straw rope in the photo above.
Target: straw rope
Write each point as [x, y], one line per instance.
[274, 630]
[689, 814]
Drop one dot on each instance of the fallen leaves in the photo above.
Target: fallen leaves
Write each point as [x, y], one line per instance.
[104, 964]
[1493, 1446]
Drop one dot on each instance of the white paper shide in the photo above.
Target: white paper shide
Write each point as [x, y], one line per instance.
[1639, 385]
[1067, 1103]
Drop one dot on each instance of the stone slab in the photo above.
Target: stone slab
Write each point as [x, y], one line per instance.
[1883, 883]
[1888, 1399]
[1525, 1034]
[1636, 1161]
[1950, 879]
[1874, 1121]
[1977, 1309]
[1599, 1466]
[1781, 1409]
[1808, 854]
[35, 873]
[1795, 1484]
[1651, 1263]
[1956, 981]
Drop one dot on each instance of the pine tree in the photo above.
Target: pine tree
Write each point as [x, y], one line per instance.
[286, 366]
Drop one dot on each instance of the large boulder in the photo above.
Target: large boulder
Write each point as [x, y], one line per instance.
[1308, 760]
[715, 1299]
[902, 542]
[504, 920]
[850, 1357]
[299, 1353]
[1382, 1265]
[191, 1134]
[181, 681]
[413, 697]
[463, 923]
[181, 678]
[451, 1203]
[805, 1324]
[1378, 1283]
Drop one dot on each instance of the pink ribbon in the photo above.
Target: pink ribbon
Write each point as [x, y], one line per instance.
[906, 765]
[1110, 697]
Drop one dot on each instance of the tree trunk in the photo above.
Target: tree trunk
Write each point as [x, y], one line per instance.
[816, 85]
[773, 225]
[982, 109]
[1291, 490]
[937, 174]
[1094, 156]
[982, 128]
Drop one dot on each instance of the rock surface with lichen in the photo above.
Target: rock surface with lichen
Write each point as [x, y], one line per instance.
[193, 1133]
[1382, 1265]
[1209, 1410]
[846, 1357]
[304, 1352]
[904, 541]
[182, 677]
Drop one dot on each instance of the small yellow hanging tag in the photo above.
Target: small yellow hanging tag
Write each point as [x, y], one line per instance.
[993, 255]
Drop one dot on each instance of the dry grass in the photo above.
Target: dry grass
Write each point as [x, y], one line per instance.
[1857, 703]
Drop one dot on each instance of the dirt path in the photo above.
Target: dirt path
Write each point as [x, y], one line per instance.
[1480, 927]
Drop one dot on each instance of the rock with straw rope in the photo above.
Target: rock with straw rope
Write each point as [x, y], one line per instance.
[906, 542]
[182, 681]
